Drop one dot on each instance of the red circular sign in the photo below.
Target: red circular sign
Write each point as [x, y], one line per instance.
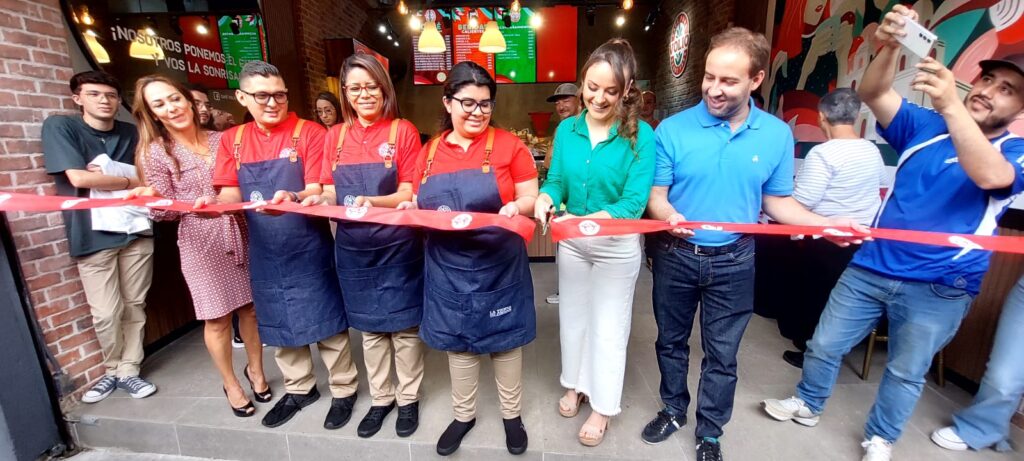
[679, 44]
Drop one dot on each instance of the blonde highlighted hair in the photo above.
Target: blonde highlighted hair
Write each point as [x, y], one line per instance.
[151, 129]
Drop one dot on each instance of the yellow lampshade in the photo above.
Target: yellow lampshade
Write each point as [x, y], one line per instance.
[145, 51]
[492, 41]
[98, 52]
[431, 40]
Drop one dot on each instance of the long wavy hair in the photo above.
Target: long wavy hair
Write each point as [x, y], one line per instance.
[618, 53]
[151, 129]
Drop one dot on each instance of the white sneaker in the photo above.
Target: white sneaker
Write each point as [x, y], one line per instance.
[552, 299]
[792, 408]
[103, 388]
[876, 449]
[947, 438]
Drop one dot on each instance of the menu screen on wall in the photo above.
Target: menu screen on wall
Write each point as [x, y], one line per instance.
[241, 37]
[544, 53]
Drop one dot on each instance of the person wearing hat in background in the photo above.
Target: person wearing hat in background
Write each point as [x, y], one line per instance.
[959, 170]
[567, 104]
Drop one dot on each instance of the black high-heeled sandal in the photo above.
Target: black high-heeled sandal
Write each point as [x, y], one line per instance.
[246, 411]
[264, 397]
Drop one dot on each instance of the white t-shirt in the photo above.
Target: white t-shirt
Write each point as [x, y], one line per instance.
[842, 177]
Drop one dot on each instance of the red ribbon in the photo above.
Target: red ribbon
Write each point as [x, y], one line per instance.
[580, 227]
[446, 221]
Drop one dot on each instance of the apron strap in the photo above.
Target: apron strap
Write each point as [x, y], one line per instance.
[238, 146]
[486, 167]
[392, 141]
[430, 158]
[341, 142]
[294, 155]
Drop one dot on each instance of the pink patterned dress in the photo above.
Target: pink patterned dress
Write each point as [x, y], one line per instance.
[214, 251]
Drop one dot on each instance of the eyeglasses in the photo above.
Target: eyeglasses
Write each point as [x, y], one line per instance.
[96, 96]
[262, 98]
[325, 111]
[469, 105]
[354, 91]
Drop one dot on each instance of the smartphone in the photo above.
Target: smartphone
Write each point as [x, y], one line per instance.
[918, 40]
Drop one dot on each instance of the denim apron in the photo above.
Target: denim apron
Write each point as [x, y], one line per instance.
[294, 287]
[380, 268]
[478, 290]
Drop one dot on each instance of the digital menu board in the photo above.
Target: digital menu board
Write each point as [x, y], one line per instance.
[546, 53]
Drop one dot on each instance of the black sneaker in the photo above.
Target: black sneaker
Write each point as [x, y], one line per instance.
[137, 387]
[795, 358]
[374, 419]
[515, 435]
[708, 449]
[661, 427]
[340, 412]
[452, 437]
[288, 406]
[408, 419]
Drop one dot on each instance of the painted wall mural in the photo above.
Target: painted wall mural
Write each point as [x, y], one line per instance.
[819, 45]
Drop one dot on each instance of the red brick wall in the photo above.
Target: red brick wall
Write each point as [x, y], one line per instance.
[34, 71]
[318, 20]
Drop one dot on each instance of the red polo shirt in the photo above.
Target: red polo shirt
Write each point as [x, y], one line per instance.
[511, 161]
[368, 144]
[259, 145]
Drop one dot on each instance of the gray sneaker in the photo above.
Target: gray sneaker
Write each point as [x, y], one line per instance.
[792, 408]
[137, 387]
[100, 390]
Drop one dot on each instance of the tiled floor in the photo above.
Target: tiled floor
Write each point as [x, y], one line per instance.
[189, 415]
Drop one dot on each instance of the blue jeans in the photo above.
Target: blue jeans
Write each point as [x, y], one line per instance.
[987, 421]
[923, 317]
[723, 283]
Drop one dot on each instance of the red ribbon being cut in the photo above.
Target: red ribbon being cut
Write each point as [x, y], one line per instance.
[448, 221]
[521, 225]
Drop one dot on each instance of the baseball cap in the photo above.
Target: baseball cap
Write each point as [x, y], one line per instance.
[1013, 61]
[566, 89]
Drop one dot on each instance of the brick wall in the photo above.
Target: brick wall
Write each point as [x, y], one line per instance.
[318, 20]
[706, 18]
[33, 81]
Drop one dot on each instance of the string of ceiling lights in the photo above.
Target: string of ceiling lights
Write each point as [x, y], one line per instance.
[491, 41]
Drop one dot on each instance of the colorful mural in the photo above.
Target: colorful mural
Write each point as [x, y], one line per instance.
[819, 45]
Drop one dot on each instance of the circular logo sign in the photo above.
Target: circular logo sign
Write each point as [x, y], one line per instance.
[355, 212]
[385, 150]
[589, 227]
[255, 196]
[679, 44]
[444, 209]
[461, 221]
[350, 200]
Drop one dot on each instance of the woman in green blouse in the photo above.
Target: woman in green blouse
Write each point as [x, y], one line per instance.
[602, 168]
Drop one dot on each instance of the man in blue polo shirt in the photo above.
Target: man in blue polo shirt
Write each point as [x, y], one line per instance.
[959, 169]
[721, 160]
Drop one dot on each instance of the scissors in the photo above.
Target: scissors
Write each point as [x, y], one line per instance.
[551, 214]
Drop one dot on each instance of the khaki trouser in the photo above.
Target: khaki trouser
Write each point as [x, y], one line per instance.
[407, 349]
[296, 364]
[508, 374]
[115, 282]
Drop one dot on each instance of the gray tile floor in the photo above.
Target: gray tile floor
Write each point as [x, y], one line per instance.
[189, 415]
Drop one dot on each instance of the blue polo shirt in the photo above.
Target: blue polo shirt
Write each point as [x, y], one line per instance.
[716, 174]
[932, 192]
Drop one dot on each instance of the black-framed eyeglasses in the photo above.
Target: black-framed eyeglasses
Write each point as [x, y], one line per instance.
[262, 98]
[469, 105]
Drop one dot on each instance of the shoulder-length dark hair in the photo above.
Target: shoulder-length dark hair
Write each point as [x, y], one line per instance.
[332, 100]
[151, 129]
[618, 53]
[379, 75]
[463, 74]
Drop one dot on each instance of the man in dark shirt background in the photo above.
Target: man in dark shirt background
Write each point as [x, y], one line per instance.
[115, 268]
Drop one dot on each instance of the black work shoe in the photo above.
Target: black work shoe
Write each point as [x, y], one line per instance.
[408, 419]
[794, 358]
[374, 419]
[661, 427]
[290, 404]
[708, 449]
[340, 412]
[515, 435]
[452, 437]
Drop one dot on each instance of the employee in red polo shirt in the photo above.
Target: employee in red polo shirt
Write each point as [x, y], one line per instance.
[478, 292]
[295, 289]
[370, 160]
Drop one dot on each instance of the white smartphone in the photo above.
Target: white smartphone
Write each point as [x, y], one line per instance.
[918, 40]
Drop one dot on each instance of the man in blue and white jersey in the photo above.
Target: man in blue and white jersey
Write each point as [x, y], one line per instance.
[959, 169]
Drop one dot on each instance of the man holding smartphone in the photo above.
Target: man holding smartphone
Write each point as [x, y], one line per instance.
[959, 169]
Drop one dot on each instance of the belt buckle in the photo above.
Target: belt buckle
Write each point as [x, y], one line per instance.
[696, 250]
